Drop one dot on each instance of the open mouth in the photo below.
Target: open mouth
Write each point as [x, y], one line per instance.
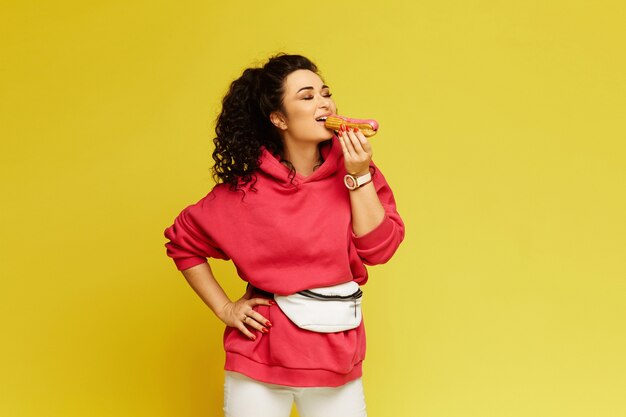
[322, 119]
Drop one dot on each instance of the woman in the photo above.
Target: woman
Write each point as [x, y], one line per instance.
[280, 210]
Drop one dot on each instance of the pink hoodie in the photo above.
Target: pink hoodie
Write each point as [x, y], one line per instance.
[284, 238]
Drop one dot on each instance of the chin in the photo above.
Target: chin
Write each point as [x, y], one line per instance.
[329, 134]
[321, 138]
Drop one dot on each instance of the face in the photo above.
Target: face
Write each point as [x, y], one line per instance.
[305, 99]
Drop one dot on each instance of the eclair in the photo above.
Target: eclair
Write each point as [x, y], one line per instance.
[368, 127]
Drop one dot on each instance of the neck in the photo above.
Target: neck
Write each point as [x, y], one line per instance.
[305, 158]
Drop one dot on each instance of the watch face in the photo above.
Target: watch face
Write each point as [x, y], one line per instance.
[349, 181]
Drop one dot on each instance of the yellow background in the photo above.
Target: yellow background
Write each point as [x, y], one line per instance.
[502, 134]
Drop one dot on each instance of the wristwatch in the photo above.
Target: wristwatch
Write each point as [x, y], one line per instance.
[353, 182]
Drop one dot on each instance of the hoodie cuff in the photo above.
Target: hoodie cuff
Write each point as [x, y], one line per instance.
[374, 237]
[186, 263]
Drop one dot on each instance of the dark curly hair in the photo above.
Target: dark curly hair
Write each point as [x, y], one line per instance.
[244, 123]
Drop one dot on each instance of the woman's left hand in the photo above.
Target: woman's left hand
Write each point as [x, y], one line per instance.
[357, 151]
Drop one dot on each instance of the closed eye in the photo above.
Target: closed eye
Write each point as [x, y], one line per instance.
[311, 97]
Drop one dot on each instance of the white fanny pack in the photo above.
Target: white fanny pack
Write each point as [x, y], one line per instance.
[325, 309]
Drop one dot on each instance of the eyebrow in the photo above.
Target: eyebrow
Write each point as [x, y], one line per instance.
[311, 88]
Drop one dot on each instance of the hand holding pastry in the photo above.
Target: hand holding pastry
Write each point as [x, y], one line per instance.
[357, 150]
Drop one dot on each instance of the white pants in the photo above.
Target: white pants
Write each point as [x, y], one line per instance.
[246, 397]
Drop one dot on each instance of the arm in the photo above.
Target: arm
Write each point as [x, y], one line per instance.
[377, 228]
[190, 244]
[201, 279]
[367, 211]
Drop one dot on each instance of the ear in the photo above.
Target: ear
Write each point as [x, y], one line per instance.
[278, 120]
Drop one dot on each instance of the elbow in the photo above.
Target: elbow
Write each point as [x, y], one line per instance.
[382, 253]
[379, 245]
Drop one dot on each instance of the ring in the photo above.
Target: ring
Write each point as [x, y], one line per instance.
[244, 318]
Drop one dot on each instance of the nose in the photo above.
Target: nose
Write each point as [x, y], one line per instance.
[325, 102]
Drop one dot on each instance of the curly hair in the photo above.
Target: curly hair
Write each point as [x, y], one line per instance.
[244, 125]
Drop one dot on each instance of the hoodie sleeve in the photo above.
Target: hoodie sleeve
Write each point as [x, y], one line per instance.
[190, 243]
[378, 245]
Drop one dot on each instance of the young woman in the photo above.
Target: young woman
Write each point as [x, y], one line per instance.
[280, 210]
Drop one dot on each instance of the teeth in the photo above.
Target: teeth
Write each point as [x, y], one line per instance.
[323, 118]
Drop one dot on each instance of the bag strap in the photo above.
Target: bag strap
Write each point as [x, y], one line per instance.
[354, 296]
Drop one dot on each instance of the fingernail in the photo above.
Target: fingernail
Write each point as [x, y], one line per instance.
[355, 130]
[272, 302]
[253, 337]
[267, 323]
[264, 330]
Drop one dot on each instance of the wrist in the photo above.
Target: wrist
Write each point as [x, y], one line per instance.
[222, 313]
[355, 181]
[361, 171]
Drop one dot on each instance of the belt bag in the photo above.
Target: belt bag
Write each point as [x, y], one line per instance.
[325, 309]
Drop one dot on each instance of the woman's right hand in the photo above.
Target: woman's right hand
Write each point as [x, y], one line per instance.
[240, 314]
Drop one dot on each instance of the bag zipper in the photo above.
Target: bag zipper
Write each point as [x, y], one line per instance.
[354, 296]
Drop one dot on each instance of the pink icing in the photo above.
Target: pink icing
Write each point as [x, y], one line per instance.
[373, 123]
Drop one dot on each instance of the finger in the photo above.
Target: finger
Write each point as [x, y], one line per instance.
[255, 314]
[243, 329]
[262, 301]
[258, 319]
[364, 142]
[356, 143]
[255, 319]
[349, 145]
[254, 324]
[361, 142]
[342, 141]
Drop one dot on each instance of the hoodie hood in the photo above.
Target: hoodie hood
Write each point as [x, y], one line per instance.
[271, 166]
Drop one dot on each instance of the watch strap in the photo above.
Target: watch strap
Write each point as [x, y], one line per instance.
[353, 182]
[363, 179]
